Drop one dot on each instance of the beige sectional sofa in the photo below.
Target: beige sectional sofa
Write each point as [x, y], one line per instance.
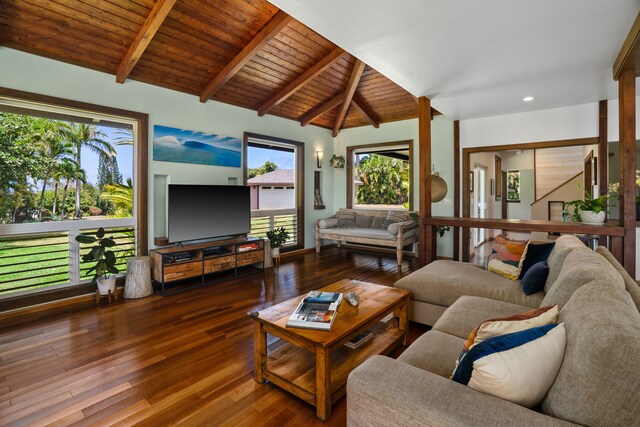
[368, 230]
[598, 383]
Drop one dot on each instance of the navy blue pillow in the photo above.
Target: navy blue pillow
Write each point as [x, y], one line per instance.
[534, 279]
[535, 254]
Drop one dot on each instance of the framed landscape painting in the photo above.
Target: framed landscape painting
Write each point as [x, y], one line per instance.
[513, 185]
[186, 146]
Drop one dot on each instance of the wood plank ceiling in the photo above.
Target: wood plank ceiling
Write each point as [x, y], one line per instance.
[241, 52]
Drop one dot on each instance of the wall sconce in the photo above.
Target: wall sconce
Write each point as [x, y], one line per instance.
[319, 158]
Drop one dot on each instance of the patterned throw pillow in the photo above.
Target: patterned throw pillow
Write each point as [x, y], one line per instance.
[535, 253]
[395, 216]
[506, 325]
[519, 367]
[506, 257]
[346, 219]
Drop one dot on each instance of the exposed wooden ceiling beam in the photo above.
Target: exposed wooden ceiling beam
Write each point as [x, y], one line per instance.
[358, 68]
[321, 109]
[366, 111]
[629, 55]
[301, 80]
[142, 40]
[270, 30]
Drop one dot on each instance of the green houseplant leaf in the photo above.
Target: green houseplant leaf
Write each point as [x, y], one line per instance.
[105, 260]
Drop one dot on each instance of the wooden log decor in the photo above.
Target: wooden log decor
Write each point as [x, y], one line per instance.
[138, 281]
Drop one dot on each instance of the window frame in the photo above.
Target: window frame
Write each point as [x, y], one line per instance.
[350, 182]
[141, 148]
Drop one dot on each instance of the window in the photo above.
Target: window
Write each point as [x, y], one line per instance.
[274, 171]
[67, 168]
[381, 176]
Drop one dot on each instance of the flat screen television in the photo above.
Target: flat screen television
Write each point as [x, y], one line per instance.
[208, 211]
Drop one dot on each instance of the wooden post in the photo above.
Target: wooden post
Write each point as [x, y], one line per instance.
[466, 204]
[426, 247]
[627, 123]
[603, 156]
[456, 188]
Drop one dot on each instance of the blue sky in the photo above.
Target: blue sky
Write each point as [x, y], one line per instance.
[89, 159]
[257, 156]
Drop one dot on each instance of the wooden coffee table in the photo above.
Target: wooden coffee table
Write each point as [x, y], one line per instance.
[314, 365]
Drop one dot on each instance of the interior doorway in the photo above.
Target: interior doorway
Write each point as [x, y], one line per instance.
[479, 202]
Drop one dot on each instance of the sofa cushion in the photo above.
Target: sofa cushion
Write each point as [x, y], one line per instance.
[363, 233]
[467, 312]
[535, 253]
[396, 216]
[346, 219]
[506, 257]
[564, 245]
[393, 228]
[443, 281]
[519, 367]
[599, 379]
[631, 285]
[378, 222]
[581, 266]
[535, 278]
[505, 325]
[435, 352]
[364, 221]
[328, 223]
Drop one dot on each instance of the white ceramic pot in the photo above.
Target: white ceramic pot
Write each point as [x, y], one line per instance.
[275, 252]
[588, 217]
[106, 285]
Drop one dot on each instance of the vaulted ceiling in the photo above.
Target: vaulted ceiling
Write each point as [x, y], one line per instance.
[241, 52]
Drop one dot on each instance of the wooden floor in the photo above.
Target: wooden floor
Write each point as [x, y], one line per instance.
[183, 359]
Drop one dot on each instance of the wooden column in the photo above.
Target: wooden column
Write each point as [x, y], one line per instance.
[627, 123]
[426, 236]
[603, 150]
[466, 204]
[456, 187]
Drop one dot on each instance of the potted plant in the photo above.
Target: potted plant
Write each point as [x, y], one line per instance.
[588, 211]
[105, 260]
[337, 161]
[277, 237]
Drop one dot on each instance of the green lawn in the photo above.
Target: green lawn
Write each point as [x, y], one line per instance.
[31, 262]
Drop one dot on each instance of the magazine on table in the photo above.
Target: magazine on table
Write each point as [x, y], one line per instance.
[359, 340]
[317, 311]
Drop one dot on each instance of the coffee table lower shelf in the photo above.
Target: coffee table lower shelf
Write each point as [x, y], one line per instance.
[294, 369]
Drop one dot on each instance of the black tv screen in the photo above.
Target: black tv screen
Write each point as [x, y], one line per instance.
[207, 211]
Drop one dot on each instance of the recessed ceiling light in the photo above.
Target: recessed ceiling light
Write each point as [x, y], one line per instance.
[527, 98]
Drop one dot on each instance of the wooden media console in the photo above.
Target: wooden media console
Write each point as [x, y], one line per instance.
[205, 258]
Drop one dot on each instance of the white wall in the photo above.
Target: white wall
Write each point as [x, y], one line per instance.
[441, 154]
[31, 73]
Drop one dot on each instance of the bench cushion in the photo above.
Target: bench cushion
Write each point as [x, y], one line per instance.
[442, 282]
[370, 233]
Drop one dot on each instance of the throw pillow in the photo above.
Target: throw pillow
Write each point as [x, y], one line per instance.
[346, 219]
[519, 367]
[364, 221]
[377, 222]
[506, 257]
[395, 216]
[506, 325]
[535, 253]
[535, 278]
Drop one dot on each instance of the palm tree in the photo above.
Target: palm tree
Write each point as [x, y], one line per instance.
[121, 196]
[83, 135]
[71, 172]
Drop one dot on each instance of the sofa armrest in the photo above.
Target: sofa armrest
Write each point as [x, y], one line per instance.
[331, 222]
[383, 391]
[404, 225]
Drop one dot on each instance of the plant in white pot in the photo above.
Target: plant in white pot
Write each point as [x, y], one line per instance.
[590, 210]
[105, 260]
[337, 162]
[277, 237]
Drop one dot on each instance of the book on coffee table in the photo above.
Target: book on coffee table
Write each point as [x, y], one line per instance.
[316, 311]
[359, 340]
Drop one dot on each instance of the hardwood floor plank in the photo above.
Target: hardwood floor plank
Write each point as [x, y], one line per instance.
[185, 359]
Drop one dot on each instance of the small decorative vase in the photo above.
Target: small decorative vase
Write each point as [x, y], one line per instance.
[589, 217]
[106, 285]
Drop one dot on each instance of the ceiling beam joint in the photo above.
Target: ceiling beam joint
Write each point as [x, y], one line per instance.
[269, 31]
[143, 38]
[366, 111]
[358, 69]
[321, 109]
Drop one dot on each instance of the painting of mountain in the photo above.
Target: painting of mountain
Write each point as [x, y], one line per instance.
[185, 146]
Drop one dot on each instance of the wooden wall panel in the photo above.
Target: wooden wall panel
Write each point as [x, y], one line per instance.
[554, 166]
